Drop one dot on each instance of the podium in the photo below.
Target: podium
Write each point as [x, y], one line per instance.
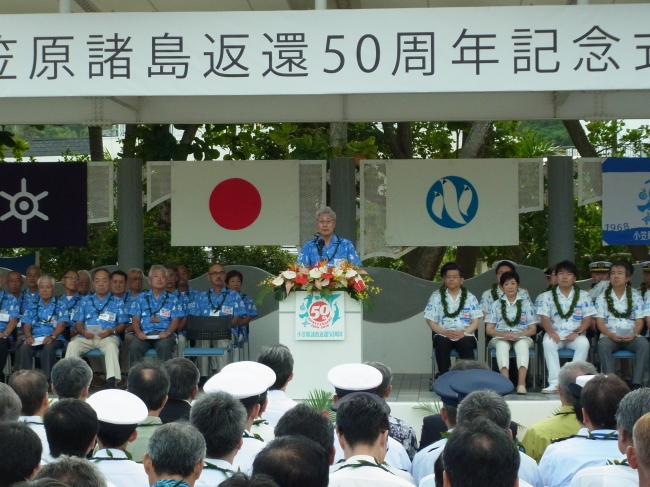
[315, 356]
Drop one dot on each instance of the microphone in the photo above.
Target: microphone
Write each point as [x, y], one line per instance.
[320, 245]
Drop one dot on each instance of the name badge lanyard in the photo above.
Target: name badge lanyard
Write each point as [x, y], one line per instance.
[49, 318]
[320, 249]
[100, 310]
[152, 313]
[73, 305]
[217, 307]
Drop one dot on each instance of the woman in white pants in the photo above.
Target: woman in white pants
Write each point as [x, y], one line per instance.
[511, 322]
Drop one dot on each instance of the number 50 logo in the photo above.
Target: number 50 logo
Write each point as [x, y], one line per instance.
[320, 314]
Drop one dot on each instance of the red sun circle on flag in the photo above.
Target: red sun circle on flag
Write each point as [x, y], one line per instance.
[235, 204]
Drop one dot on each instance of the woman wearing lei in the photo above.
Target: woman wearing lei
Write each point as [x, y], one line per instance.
[619, 318]
[643, 289]
[453, 314]
[496, 290]
[511, 322]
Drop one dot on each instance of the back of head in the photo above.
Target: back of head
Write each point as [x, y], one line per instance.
[306, 421]
[279, 359]
[631, 408]
[47, 482]
[176, 449]
[600, 398]
[641, 435]
[221, 419]
[71, 426]
[568, 374]
[149, 381]
[361, 421]
[481, 454]
[386, 378]
[183, 378]
[73, 472]
[293, 461]
[484, 404]
[31, 387]
[10, 405]
[70, 376]
[20, 452]
[470, 365]
[243, 480]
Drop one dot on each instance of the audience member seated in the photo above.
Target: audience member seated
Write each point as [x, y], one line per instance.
[279, 359]
[183, 387]
[119, 413]
[10, 405]
[563, 423]
[243, 480]
[221, 419]
[71, 378]
[71, 427]
[174, 456]
[306, 421]
[480, 453]
[639, 454]
[9, 317]
[149, 381]
[600, 398]
[20, 453]
[496, 291]
[73, 472]
[362, 428]
[31, 388]
[293, 461]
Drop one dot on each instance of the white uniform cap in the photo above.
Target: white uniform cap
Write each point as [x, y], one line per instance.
[354, 377]
[118, 407]
[581, 380]
[241, 384]
[645, 265]
[600, 266]
[255, 367]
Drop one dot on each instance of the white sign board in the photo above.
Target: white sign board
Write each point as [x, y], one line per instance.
[320, 317]
[532, 48]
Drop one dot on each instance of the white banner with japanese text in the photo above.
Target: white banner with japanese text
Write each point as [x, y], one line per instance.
[532, 48]
[320, 316]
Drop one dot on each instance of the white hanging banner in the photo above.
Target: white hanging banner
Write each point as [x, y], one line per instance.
[483, 49]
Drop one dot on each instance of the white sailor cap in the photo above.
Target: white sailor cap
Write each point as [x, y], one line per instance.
[501, 262]
[354, 377]
[645, 265]
[576, 388]
[600, 266]
[241, 384]
[254, 367]
[118, 407]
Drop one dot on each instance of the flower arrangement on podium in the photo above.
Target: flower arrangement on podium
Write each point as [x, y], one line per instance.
[324, 279]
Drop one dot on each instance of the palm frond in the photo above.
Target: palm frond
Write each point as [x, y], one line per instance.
[322, 401]
[428, 407]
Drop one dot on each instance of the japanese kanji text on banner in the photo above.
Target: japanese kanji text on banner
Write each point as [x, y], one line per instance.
[452, 202]
[235, 203]
[320, 317]
[626, 201]
[536, 48]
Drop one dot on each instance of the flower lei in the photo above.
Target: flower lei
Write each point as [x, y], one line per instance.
[576, 296]
[461, 305]
[610, 301]
[643, 288]
[515, 320]
[495, 293]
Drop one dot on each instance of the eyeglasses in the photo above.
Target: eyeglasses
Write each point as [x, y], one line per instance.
[72, 278]
[217, 273]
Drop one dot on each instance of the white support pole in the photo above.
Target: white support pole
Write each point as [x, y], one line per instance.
[320, 4]
[65, 6]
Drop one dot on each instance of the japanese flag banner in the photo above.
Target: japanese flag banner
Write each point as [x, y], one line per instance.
[452, 202]
[218, 203]
[626, 201]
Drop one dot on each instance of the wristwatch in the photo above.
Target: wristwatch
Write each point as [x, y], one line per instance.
[53, 337]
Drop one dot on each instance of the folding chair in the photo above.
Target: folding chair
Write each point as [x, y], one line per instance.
[434, 365]
[208, 328]
[532, 365]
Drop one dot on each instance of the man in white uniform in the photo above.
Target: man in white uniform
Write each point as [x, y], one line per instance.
[119, 413]
[280, 360]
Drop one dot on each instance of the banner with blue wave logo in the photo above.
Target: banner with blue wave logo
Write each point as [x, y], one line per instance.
[626, 201]
[452, 202]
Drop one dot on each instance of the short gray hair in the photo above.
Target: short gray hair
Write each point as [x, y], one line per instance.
[72, 471]
[135, 269]
[46, 277]
[326, 210]
[221, 419]
[634, 405]
[175, 449]
[386, 377]
[568, 374]
[70, 376]
[484, 404]
[157, 267]
[10, 404]
[84, 273]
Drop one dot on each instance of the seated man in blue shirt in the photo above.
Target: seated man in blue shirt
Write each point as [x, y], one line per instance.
[327, 246]
[155, 316]
[100, 318]
[9, 316]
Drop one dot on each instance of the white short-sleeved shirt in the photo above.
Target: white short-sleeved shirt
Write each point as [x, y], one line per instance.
[366, 476]
[606, 476]
[546, 307]
[487, 299]
[434, 310]
[278, 404]
[396, 455]
[250, 448]
[527, 317]
[620, 326]
[214, 472]
[123, 472]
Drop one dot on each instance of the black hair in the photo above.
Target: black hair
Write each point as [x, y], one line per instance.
[568, 266]
[101, 269]
[629, 268]
[183, 377]
[221, 419]
[361, 420]
[306, 421]
[506, 276]
[438, 468]
[504, 263]
[115, 435]
[20, 452]
[450, 266]
[70, 426]
[31, 387]
[150, 382]
[234, 273]
[242, 480]
[279, 359]
[119, 273]
[600, 398]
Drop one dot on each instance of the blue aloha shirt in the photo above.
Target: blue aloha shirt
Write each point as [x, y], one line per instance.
[241, 332]
[338, 249]
[171, 483]
[487, 299]
[108, 313]
[72, 304]
[228, 302]
[26, 298]
[527, 318]
[403, 433]
[183, 302]
[434, 311]
[546, 307]
[9, 308]
[127, 301]
[166, 307]
[44, 319]
[620, 326]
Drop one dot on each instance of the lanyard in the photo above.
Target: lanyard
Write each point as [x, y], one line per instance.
[217, 307]
[47, 321]
[155, 312]
[99, 311]
[4, 296]
[210, 466]
[320, 250]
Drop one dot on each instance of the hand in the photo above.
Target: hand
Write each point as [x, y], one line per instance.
[555, 337]
[88, 335]
[572, 336]
[141, 335]
[104, 333]
[163, 334]
[29, 341]
[628, 338]
[47, 340]
[3, 334]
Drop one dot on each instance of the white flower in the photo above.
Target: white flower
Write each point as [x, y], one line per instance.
[337, 273]
[278, 281]
[288, 275]
[351, 273]
[315, 273]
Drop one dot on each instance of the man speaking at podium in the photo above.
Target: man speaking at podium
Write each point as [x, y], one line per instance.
[327, 246]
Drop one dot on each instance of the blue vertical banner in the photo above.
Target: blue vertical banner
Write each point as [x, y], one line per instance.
[626, 201]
